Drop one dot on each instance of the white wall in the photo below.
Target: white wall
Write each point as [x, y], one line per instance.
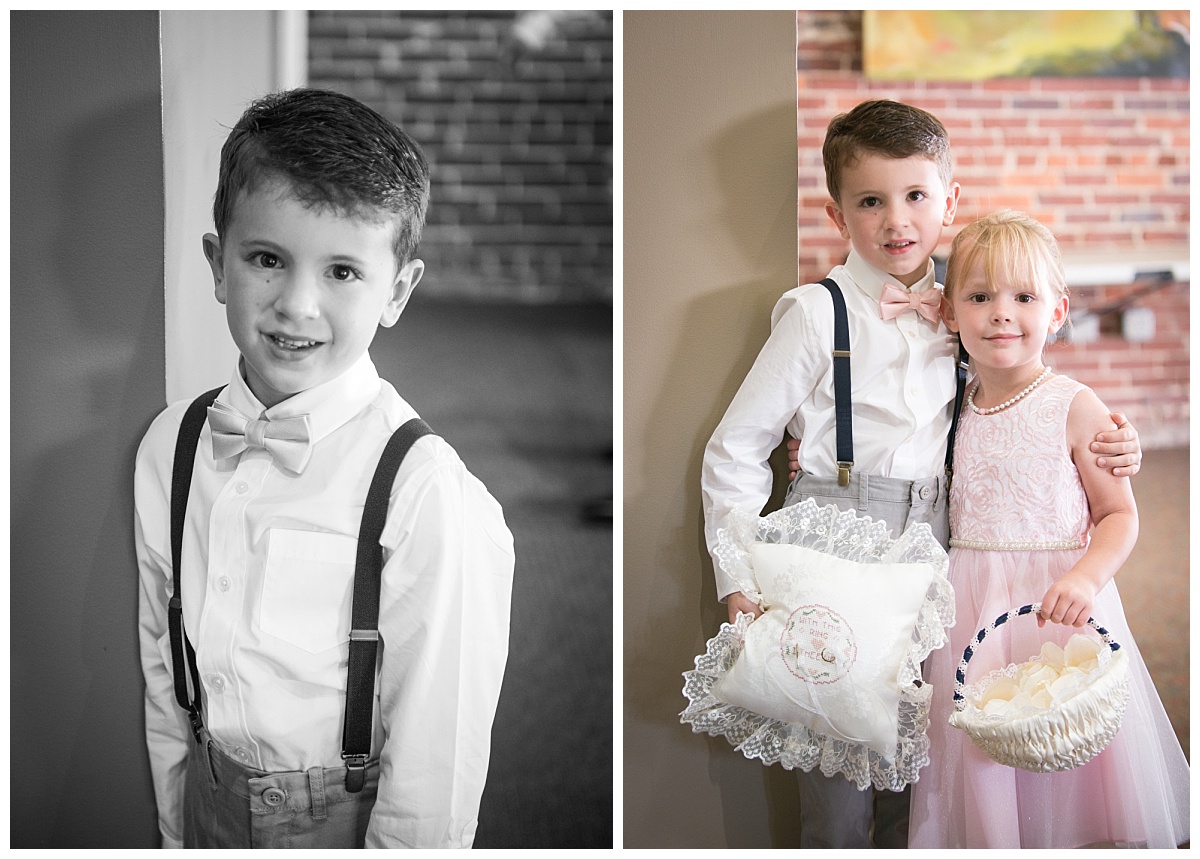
[213, 64]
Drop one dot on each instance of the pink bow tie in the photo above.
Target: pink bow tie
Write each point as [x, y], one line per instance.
[895, 301]
[286, 439]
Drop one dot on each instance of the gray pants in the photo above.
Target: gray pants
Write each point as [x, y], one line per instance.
[229, 805]
[833, 812]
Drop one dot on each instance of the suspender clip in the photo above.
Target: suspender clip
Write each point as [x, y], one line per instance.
[364, 635]
[356, 772]
[197, 722]
[844, 472]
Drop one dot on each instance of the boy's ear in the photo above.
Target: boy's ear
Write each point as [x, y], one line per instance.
[839, 220]
[951, 204]
[406, 281]
[216, 262]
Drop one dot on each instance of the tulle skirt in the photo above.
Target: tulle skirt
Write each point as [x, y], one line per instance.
[1134, 793]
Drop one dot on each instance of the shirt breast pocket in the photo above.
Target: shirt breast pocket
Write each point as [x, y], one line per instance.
[307, 588]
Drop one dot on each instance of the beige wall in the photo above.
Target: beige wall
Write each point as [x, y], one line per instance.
[709, 244]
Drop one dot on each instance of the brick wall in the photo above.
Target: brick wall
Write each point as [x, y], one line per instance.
[1103, 162]
[514, 112]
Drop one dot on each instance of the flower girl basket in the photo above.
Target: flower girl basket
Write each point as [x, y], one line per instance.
[829, 675]
[1077, 724]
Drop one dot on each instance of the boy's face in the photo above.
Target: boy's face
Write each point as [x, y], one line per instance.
[304, 289]
[893, 210]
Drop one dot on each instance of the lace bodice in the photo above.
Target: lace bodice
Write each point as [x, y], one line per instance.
[1015, 485]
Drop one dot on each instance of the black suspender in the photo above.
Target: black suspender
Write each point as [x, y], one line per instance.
[843, 405]
[181, 485]
[960, 387]
[368, 573]
[364, 614]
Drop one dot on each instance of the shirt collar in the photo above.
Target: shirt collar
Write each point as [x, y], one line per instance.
[871, 280]
[329, 405]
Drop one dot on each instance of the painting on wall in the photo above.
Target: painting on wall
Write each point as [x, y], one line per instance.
[946, 45]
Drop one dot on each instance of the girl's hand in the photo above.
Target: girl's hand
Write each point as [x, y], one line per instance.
[793, 449]
[1068, 601]
[739, 602]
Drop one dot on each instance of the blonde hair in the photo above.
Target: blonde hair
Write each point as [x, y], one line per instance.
[1012, 244]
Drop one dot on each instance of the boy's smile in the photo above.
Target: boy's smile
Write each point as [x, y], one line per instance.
[893, 210]
[304, 288]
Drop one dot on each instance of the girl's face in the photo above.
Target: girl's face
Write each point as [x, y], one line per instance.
[1003, 322]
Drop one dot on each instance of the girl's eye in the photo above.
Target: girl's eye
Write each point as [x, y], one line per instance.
[977, 298]
[1025, 298]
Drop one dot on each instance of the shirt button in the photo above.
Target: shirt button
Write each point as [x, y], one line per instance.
[273, 796]
[241, 754]
[217, 682]
[242, 488]
[224, 583]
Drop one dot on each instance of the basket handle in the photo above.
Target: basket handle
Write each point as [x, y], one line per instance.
[960, 676]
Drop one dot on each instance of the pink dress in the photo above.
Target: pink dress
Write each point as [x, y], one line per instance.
[1016, 487]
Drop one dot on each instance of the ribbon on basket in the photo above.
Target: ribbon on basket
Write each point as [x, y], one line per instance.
[1067, 733]
[829, 675]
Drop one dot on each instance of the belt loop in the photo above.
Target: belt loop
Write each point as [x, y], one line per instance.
[864, 491]
[316, 790]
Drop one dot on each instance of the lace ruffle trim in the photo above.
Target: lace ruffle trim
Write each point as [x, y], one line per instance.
[855, 538]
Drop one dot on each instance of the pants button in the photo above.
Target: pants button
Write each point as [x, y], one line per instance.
[273, 796]
[925, 492]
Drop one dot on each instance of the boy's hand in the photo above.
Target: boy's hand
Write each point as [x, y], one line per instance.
[1119, 450]
[739, 602]
[793, 449]
[1068, 601]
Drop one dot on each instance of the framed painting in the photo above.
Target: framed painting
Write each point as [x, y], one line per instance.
[956, 45]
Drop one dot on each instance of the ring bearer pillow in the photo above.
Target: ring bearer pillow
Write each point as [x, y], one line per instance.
[829, 675]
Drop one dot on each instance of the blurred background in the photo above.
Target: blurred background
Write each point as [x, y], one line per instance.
[506, 349]
[724, 211]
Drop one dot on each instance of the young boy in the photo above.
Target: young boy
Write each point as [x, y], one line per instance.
[318, 212]
[888, 171]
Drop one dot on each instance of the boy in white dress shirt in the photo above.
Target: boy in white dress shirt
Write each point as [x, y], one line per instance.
[318, 213]
[888, 171]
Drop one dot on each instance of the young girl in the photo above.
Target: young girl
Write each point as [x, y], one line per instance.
[1024, 498]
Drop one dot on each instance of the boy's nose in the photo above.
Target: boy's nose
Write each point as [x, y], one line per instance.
[895, 216]
[297, 298]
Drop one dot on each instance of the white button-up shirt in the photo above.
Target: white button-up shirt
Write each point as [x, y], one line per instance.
[902, 387]
[268, 567]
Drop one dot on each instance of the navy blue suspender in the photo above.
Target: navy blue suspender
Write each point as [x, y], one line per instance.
[843, 404]
[368, 574]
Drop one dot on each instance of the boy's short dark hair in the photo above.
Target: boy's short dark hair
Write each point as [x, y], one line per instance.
[334, 151]
[888, 128]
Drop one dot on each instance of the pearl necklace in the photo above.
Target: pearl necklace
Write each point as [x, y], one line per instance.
[1006, 403]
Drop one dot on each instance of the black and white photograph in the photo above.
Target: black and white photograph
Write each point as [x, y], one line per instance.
[360, 592]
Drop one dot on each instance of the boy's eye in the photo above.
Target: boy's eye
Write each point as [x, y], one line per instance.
[868, 202]
[917, 196]
[344, 272]
[267, 260]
